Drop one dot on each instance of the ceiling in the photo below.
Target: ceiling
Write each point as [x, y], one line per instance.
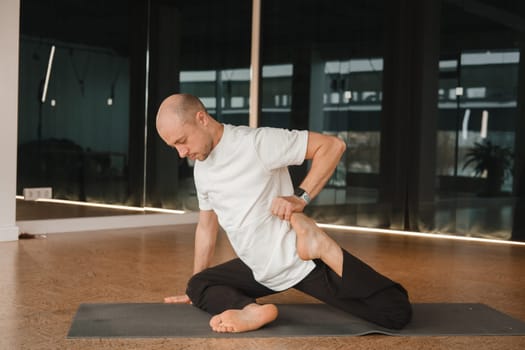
[112, 24]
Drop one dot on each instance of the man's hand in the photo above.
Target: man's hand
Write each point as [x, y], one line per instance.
[283, 207]
[178, 299]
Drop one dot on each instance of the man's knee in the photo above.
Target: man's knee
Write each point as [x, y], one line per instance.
[397, 316]
[395, 311]
[196, 287]
[214, 298]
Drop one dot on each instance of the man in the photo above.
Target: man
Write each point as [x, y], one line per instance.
[243, 184]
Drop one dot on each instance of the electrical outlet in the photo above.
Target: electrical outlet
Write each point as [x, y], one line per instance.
[34, 193]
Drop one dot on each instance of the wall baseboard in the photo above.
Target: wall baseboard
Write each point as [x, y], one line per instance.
[9, 233]
[104, 223]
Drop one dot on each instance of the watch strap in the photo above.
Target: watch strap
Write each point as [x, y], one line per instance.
[301, 193]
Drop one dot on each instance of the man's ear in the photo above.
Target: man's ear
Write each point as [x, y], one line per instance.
[201, 118]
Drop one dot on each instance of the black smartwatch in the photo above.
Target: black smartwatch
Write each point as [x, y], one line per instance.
[299, 192]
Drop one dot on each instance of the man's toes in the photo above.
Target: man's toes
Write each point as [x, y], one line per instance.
[217, 325]
[221, 328]
[215, 321]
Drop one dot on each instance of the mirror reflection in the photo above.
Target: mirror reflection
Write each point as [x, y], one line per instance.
[429, 102]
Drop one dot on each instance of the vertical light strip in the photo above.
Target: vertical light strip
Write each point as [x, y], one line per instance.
[145, 162]
[48, 73]
[255, 66]
[484, 124]
[466, 119]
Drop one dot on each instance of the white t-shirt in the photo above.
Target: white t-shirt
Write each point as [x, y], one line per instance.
[242, 175]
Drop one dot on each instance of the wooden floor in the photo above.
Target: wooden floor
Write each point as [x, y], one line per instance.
[44, 280]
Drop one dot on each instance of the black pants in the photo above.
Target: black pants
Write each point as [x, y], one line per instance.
[361, 291]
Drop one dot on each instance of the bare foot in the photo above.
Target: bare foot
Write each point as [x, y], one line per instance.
[251, 317]
[314, 243]
[310, 238]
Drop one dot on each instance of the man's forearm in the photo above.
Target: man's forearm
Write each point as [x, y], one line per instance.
[325, 152]
[325, 156]
[205, 239]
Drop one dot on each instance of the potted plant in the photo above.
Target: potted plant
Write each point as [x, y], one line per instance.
[495, 160]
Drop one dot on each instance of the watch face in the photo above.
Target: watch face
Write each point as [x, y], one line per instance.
[306, 197]
[299, 192]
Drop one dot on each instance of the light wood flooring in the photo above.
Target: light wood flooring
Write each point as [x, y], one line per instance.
[44, 280]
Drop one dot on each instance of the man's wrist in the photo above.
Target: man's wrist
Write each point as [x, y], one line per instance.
[302, 194]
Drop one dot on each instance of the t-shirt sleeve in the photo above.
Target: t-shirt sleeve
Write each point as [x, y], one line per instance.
[204, 204]
[278, 148]
[202, 195]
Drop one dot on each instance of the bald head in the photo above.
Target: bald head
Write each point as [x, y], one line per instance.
[184, 123]
[180, 107]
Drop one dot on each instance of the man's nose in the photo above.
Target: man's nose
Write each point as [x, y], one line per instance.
[183, 151]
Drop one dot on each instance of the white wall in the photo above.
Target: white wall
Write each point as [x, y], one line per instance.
[9, 34]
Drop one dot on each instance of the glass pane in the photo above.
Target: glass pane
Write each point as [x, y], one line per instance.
[229, 86]
[277, 95]
[478, 127]
[351, 110]
[322, 71]
[74, 99]
[208, 55]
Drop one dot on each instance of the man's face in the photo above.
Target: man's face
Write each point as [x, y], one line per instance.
[190, 139]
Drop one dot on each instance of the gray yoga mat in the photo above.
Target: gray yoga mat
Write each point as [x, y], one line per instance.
[295, 320]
